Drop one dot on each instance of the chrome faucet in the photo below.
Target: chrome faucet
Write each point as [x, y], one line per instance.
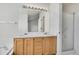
[25, 33]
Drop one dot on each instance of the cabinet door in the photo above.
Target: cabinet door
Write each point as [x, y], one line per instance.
[49, 45]
[52, 45]
[19, 46]
[46, 46]
[28, 46]
[38, 46]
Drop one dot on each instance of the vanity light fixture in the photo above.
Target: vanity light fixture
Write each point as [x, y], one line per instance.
[36, 8]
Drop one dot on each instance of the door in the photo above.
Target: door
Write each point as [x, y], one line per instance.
[38, 46]
[52, 45]
[67, 32]
[49, 45]
[28, 46]
[18, 46]
[46, 46]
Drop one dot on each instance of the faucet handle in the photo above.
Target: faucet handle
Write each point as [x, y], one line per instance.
[25, 33]
[45, 33]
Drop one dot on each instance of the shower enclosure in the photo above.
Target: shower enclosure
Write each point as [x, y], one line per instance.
[68, 30]
[70, 33]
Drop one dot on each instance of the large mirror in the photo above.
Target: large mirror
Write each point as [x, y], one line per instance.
[32, 21]
[36, 21]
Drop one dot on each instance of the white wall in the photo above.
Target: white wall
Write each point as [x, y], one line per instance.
[54, 18]
[8, 12]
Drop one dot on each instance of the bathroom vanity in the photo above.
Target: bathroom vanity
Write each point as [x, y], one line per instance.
[35, 45]
[34, 28]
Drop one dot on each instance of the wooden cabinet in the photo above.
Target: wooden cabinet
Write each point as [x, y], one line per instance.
[35, 46]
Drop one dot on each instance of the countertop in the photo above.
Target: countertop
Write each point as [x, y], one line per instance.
[38, 34]
[26, 36]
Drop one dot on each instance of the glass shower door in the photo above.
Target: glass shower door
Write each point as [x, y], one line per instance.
[67, 32]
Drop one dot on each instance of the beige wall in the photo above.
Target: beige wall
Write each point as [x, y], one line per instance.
[71, 7]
